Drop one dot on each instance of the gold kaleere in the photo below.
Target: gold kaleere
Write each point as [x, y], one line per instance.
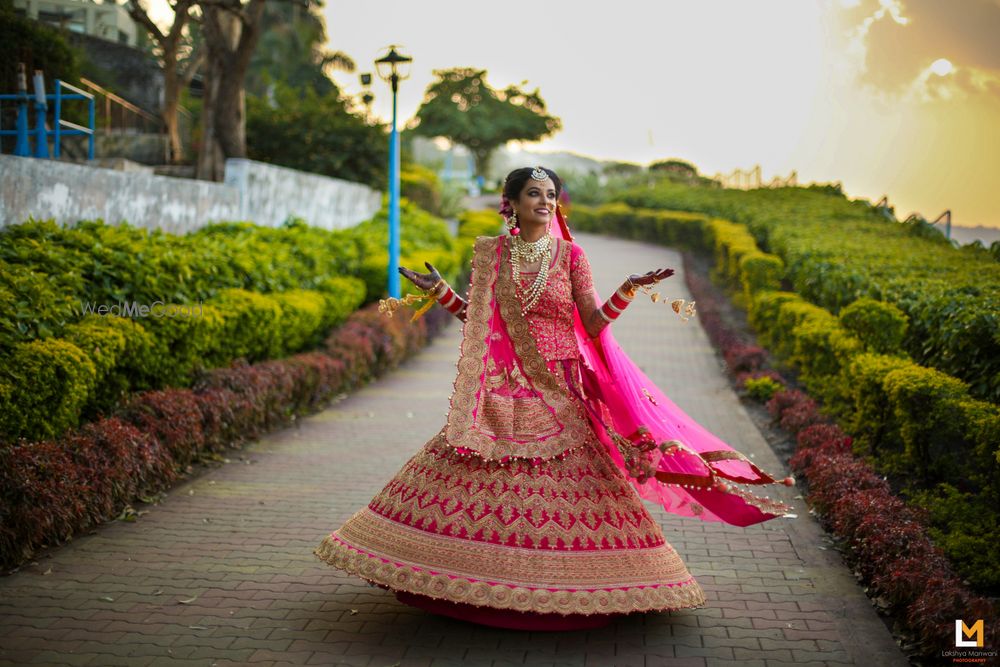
[390, 305]
[684, 309]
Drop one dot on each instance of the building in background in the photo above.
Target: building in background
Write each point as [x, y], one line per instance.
[106, 20]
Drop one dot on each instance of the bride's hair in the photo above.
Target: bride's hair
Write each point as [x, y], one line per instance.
[516, 179]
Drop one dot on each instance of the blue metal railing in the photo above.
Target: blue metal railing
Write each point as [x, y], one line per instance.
[60, 127]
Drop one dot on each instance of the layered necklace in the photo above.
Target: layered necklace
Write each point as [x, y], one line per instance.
[540, 250]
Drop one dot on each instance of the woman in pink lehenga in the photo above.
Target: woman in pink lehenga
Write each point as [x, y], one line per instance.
[522, 511]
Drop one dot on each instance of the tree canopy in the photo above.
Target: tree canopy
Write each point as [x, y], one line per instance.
[291, 50]
[302, 129]
[462, 107]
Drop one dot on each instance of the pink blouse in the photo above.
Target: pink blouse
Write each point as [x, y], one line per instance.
[551, 319]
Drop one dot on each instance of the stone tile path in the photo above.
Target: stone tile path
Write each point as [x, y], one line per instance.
[222, 572]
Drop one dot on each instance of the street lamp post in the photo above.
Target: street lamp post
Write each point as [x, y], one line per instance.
[393, 68]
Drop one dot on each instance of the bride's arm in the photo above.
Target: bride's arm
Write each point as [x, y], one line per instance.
[595, 317]
[443, 292]
[582, 281]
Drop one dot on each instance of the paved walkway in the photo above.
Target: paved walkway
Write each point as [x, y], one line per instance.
[222, 571]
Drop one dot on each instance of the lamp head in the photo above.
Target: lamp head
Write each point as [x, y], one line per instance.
[393, 65]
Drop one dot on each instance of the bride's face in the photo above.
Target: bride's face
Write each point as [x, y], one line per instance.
[537, 202]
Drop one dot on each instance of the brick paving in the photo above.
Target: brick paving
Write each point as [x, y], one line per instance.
[221, 572]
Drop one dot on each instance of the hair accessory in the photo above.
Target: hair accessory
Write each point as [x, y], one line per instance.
[539, 174]
[505, 208]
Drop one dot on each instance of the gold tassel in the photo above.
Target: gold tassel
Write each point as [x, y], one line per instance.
[390, 305]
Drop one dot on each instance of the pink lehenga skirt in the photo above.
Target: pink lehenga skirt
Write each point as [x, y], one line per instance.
[561, 543]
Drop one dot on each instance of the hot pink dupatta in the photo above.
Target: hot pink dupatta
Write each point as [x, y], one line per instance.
[699, 475]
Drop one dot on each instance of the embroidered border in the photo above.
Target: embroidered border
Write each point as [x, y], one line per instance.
[549, 592]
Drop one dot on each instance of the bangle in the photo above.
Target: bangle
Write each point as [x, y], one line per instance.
[614, 306]
[433, 291]
[451, 301]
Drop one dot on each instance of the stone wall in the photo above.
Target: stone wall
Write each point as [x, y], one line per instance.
[260, 193]
[270, 194]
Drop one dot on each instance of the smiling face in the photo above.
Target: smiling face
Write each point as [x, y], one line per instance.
[537, 202]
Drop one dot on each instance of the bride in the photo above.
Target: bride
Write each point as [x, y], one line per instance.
[524, 510]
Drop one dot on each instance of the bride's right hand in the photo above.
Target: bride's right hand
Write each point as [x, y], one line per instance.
[424, 281]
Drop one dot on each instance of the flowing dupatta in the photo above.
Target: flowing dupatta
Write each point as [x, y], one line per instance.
[699, 475]
[507, 404]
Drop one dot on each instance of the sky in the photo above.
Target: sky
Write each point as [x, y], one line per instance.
[889, 97]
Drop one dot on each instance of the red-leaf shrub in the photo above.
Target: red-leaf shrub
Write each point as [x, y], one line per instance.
[888, 539]
[744, 358]
[799, 416]
[823, 435]
[783, 400]
[172, 417]
[52, 490]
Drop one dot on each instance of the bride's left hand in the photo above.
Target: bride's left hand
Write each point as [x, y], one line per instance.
[650, 277]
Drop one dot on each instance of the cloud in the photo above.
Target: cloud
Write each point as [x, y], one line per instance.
[899, 40]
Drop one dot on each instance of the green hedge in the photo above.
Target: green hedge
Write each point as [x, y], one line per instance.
[940, 443]
[668, 227]
[837, 251]
[226, 291]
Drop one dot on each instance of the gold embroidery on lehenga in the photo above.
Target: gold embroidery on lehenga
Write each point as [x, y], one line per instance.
[584, 503]
[566, 582]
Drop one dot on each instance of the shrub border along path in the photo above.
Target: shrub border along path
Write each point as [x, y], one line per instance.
[222, 569]
[884, 540]
[53, 490]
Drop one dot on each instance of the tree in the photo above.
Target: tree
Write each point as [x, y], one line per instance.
[304, 130]
[291, 50]
[231, 30]
[179, 60]
[462, 107]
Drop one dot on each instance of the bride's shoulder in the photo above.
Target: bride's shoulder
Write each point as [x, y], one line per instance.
[487, 242]
[575, 249]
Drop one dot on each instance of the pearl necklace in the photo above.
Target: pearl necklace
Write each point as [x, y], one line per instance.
[540, 250]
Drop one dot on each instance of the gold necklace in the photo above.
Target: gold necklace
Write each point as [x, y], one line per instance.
[540, 250]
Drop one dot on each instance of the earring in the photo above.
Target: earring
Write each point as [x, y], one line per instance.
[512, 224]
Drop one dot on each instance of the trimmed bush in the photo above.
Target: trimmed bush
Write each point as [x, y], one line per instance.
[762, 389]
[61, 377]
[879, 325]
[234, 279]
[53, 489]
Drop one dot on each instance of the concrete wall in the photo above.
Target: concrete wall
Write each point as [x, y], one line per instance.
[269, 194]
[261, 193]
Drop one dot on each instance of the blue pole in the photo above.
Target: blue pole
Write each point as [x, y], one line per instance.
[394, 201]
[90, 120]
[22, 148]
[57, 138]
[41, 136]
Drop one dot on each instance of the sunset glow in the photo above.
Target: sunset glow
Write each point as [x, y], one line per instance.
[890, 97]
